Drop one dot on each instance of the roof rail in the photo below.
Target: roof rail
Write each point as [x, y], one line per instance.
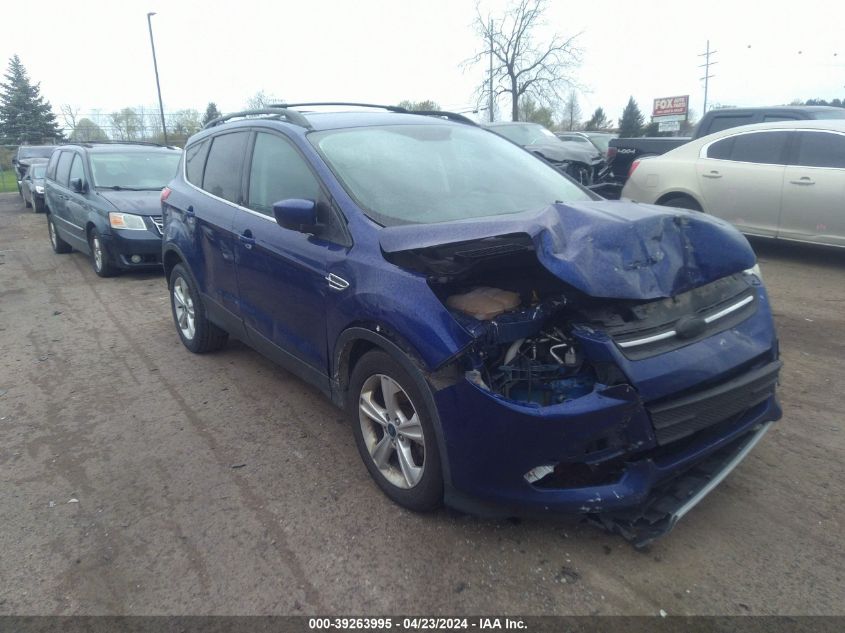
[292, 116]
[452, 116]
[110, 142]
[391, 108]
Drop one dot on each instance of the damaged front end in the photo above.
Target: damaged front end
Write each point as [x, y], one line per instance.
[603, 364]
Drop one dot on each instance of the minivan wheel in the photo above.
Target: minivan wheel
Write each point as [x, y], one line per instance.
[394, 433]
[100, 256]
[198, 334]
[59, 245]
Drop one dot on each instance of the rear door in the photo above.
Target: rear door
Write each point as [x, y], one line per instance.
[210, 215]
[282, 273]
[814, 189]
[58, 197]
[741, 179]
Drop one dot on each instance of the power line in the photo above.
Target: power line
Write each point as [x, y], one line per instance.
[707, 54]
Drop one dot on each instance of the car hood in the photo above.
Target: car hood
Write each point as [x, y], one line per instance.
[138, 202]
[564, 151]
[606, 249]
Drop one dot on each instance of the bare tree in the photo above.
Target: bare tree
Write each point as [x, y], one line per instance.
[523, 66]
[69, 115]
[261, 100]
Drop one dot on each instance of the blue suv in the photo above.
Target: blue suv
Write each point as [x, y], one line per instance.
[502, 339]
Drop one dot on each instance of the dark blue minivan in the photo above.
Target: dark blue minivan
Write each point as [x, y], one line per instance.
[502, 339]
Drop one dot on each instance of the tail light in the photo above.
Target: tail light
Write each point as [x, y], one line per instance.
[634, 166]
[165, 193]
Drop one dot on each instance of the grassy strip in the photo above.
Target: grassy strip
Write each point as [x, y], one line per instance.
[8, 182]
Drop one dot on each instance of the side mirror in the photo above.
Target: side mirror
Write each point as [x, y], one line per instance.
[78, 185]
[296, 214]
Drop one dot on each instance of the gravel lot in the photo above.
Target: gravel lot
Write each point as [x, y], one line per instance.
[221, 484]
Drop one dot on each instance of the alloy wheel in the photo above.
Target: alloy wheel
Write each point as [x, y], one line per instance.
[97, 247]
[183, 305]
[392, 431]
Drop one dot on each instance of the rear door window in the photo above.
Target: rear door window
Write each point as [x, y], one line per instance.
[63, 169]
[821, 149]
[222, 176]
[767, 148]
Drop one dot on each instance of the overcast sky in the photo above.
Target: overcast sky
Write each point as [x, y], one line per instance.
[96, 55]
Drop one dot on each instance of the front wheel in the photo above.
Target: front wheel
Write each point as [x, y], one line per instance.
[394, 432]
[100, 260]
[198, 334]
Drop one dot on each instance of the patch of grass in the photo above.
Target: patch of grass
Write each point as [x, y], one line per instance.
[8, 182]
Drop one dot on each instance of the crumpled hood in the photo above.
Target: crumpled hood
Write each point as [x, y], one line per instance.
[564, 150]
[611, 249]
[138, 202]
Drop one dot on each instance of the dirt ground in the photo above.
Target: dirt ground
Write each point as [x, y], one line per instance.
[137, 478]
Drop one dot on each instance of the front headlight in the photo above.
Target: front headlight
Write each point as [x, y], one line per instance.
[39, 189]
[127, 221]
[754, 270]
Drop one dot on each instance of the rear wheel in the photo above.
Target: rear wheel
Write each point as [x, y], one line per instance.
[681, 202]
[27, 202]
[198, 334]
[394, 432]
[59, 245]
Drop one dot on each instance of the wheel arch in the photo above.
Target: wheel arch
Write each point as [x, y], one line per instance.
[680, 193]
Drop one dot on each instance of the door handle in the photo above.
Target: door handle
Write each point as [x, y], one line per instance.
[712, 174]
[804, 180]
[247, 239]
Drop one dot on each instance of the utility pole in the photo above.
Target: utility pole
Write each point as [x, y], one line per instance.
[490, 103]
[158, 85]
[707, 76]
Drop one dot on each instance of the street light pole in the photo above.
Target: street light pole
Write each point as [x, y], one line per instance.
[158, 85]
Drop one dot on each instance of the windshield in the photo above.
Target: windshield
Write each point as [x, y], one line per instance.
[37, 171]
[35, 152]
[602, 141]
[423, 174]
[133, 170]
[527, 134]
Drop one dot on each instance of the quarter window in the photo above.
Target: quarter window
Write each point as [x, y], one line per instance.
[278, 172]
[821, 149]
[223, 169]
[63, 170]
[195, 156]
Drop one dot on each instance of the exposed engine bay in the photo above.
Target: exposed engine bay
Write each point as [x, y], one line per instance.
[522, 318]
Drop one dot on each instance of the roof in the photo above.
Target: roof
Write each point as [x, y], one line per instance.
[106, 148]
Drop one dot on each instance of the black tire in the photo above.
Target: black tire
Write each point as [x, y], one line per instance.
[681, 202]
[26, 202]
[207, 337]
[100, 259]
[38, 207]
[59, 245]
[427, 493]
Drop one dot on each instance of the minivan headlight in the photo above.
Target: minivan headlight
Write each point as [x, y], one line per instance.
[127, 221]
[39, 189]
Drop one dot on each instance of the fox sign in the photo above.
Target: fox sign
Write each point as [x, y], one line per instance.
[668, 106]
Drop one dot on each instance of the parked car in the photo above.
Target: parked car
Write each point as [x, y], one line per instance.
[779, 180]
[500, 338]
[583, 163]
[32, 186]
[599, 140]
[103, 199]
[25, 156]
[622, 152]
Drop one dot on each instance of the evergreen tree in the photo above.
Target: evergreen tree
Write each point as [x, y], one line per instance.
[24, 115]
[211, 112]
[631, 123]
[598, 121]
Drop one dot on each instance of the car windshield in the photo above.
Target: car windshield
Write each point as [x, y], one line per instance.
[35, 152]
[602, 141]
[525, 134]
[423, 174]
[37, 171]
[133, 170]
